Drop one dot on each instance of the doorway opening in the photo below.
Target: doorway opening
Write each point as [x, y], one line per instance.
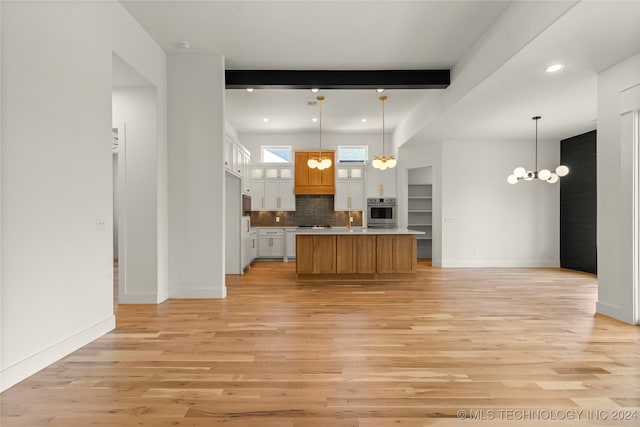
[134, 103]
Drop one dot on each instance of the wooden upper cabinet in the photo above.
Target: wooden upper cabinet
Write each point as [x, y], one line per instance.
[314, 181]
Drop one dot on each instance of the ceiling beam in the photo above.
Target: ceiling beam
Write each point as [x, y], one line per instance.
[337, 79]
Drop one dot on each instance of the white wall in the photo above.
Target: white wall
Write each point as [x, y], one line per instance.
[615, 195]
[311, 141]
[487, 222]
[196, 184]
[57, 274]
[479, 220]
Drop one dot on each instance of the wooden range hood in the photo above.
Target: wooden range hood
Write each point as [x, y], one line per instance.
[314, 181]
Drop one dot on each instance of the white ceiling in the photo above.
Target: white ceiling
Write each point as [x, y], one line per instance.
[589, 37]
[342, 110]
[321, 34]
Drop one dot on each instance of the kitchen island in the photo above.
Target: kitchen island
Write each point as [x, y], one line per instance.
[360, 253]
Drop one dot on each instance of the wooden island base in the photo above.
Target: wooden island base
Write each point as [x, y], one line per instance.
[356, 256]
[345, 277]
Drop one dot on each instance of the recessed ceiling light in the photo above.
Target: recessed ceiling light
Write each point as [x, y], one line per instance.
[315, 90]
[554, 68]
[364, 120]
[265, 119]
[314, 119]
[250, 89]
[380, 90]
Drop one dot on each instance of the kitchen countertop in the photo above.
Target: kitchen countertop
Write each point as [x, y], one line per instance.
[358, 230]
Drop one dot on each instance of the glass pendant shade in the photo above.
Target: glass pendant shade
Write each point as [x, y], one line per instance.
[392, 162]
[383, 162]
[319, 162]
[519, 172]
[543, 175]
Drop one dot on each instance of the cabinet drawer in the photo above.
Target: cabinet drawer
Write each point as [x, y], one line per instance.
[270, 233]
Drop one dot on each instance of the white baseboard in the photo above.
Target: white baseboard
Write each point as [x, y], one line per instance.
[163, 295]
[36, 362]
[189, 293]
[138, 298]
[613, 311]
[499, 264]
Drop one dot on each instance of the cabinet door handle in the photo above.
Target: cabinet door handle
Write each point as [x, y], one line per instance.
[382, 189]
[270, 241]
[253, 244]
[263, 203]
[349, 203]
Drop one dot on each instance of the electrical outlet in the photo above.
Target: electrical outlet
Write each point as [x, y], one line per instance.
[101, 224]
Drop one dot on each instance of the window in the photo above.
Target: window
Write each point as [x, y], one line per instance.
[352, 153]
[276, 154]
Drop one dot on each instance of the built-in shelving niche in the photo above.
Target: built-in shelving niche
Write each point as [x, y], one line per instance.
[420, 208]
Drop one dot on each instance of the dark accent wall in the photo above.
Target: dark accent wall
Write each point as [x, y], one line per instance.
[310, 210]
[578, 204]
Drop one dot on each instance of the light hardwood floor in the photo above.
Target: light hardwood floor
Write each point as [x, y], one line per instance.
[508, 346]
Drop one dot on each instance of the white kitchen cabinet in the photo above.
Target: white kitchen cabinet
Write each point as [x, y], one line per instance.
[272, 195]
[246, 242]
[278, 195]
[381, 183]
[253, 249]
[349, 172]
[236, 161]
[256, 189]
[228, 152]
[250, 245]
[271, 243]
[349, 189]
[290, 243]
[349, 195]
[246, 180]
[271, 172]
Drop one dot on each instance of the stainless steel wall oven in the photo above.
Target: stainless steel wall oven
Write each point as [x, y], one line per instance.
[382, 213]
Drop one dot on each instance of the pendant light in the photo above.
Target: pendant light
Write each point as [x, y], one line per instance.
[383, 162]
[543, 175]
[321, 162]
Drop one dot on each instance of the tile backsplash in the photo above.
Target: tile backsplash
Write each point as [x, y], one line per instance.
[310, 210]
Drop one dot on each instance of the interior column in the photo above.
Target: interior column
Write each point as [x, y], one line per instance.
[196, 175]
